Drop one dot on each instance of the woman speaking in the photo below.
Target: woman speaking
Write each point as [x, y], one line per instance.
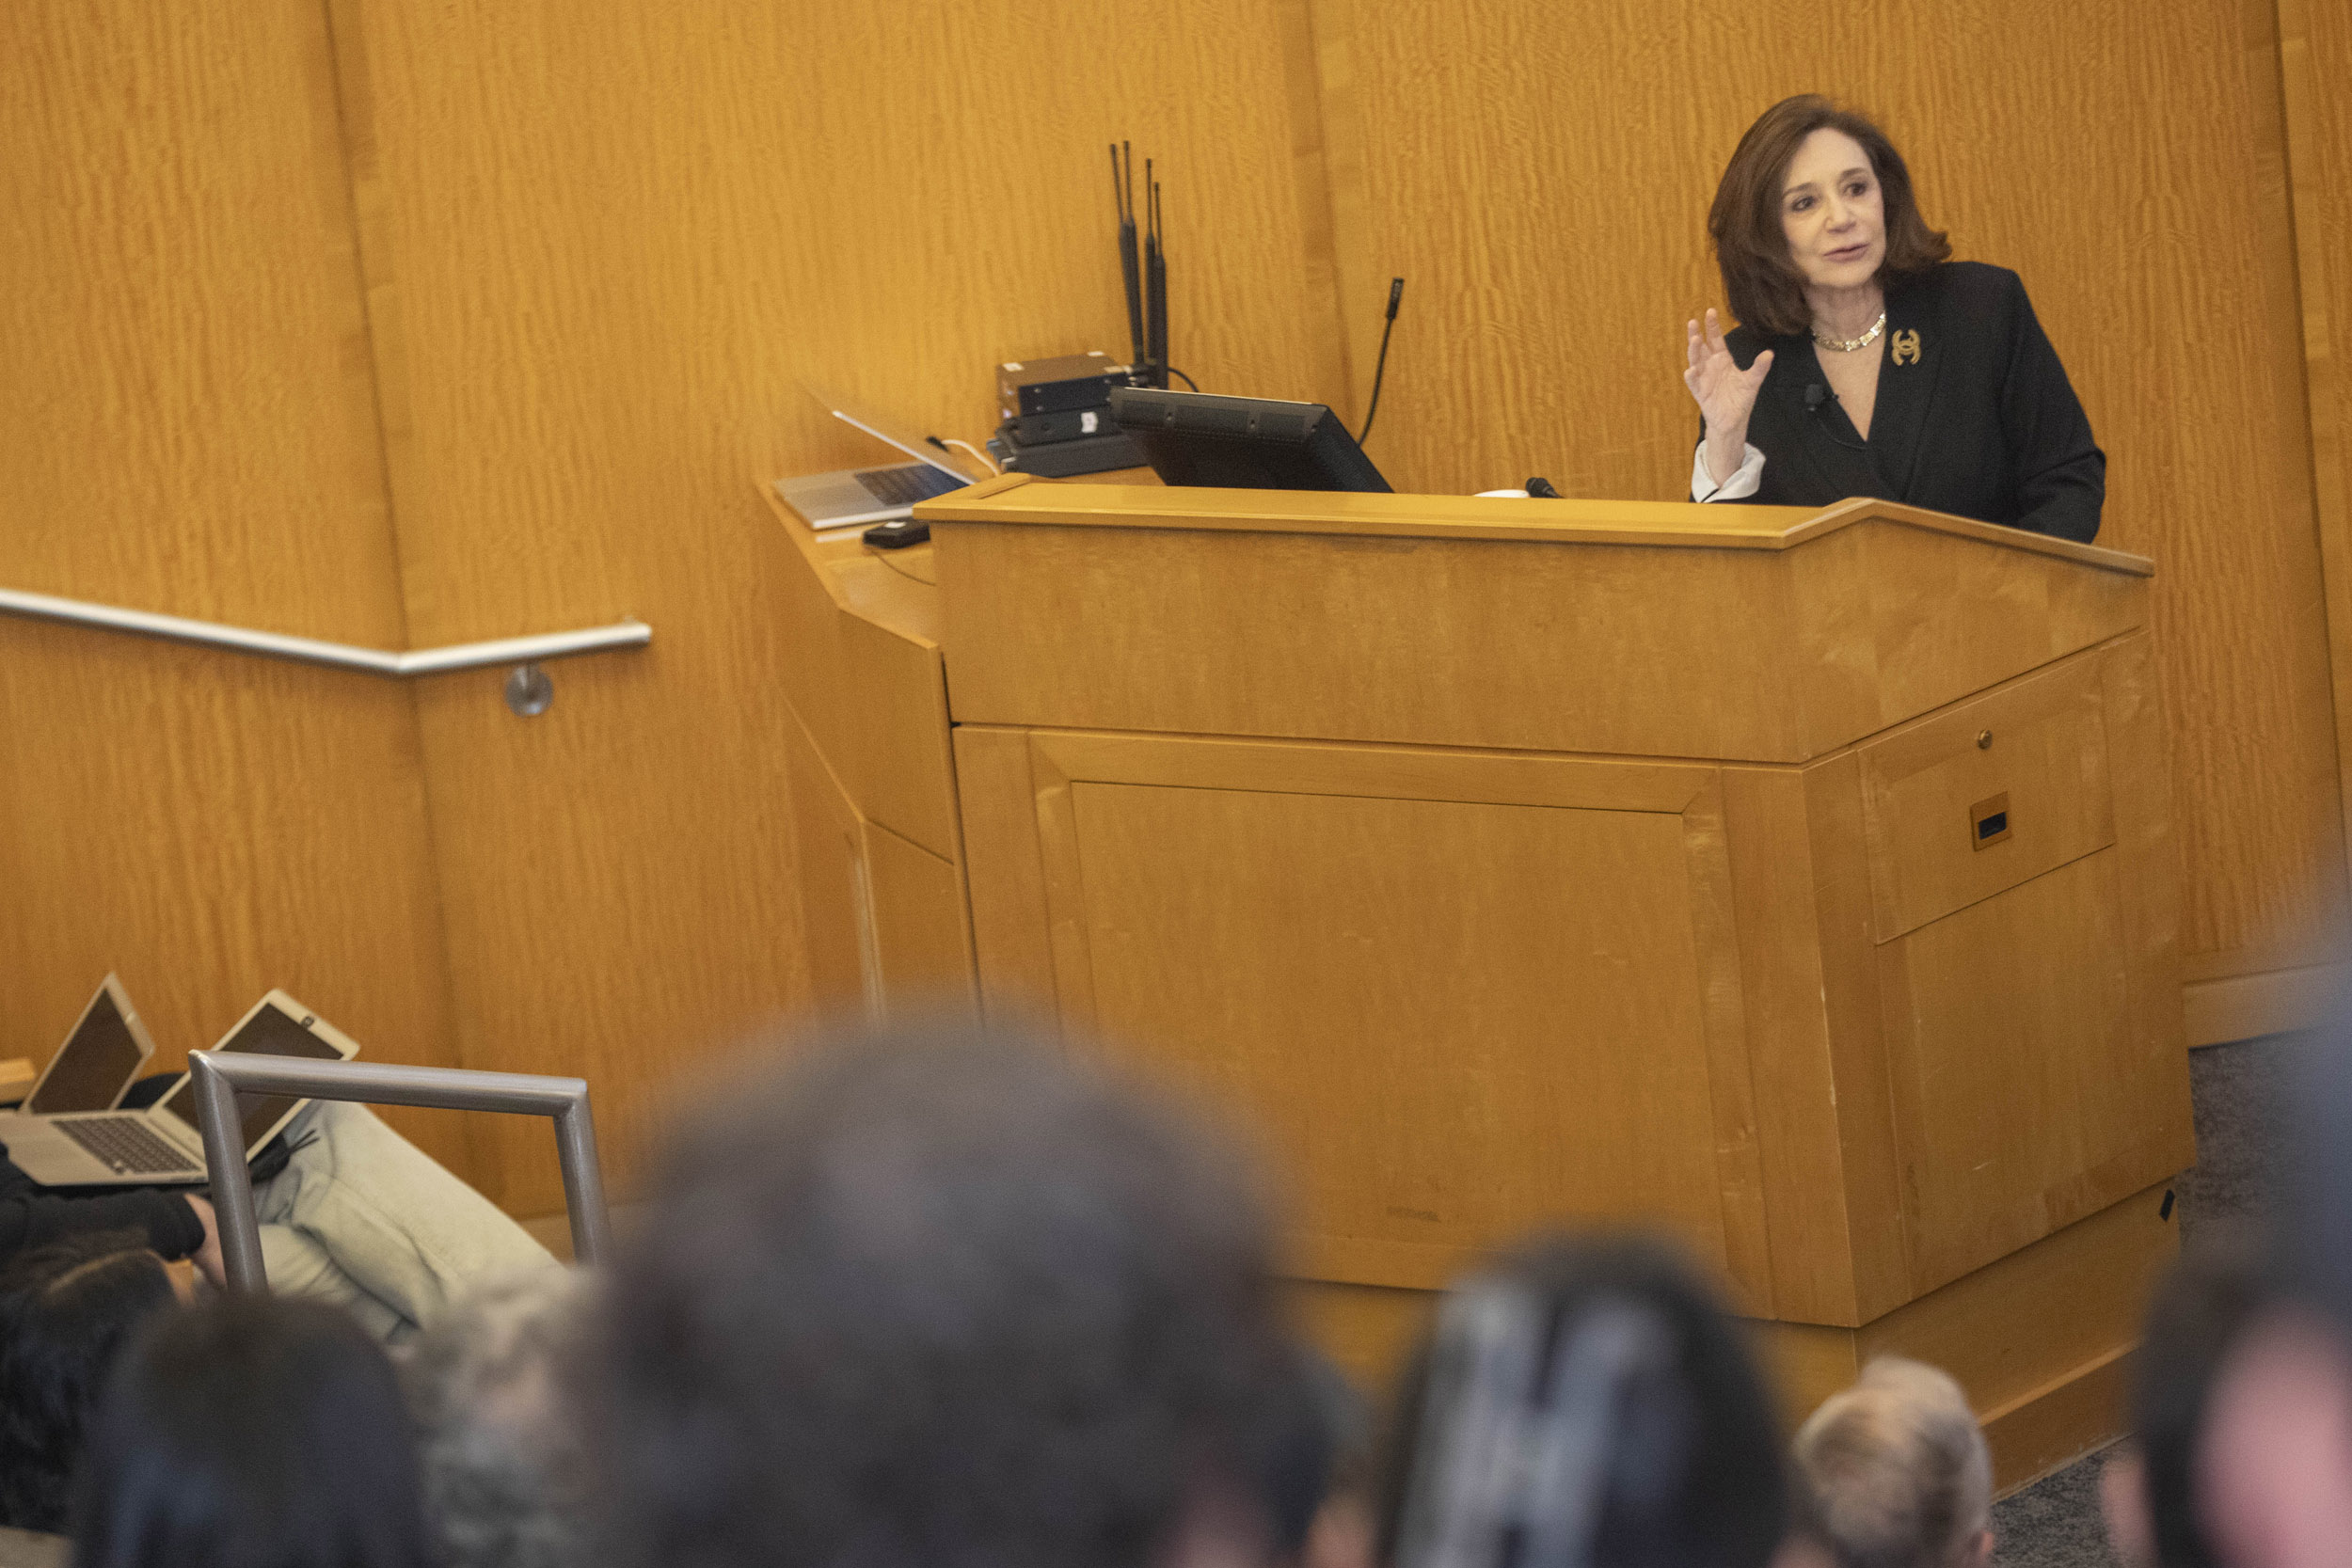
[1866, 363]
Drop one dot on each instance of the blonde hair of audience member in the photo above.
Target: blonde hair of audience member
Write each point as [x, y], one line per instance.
[1896, 1472]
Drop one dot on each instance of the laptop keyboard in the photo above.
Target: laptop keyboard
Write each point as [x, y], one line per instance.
[904, 487]
[128, 1147]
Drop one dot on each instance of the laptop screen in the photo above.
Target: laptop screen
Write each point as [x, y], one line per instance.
[93, 1064]
[270, 1033]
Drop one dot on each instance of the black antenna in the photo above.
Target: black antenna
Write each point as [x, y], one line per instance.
[1155, 285]
[1130, 269]
[1396, 293]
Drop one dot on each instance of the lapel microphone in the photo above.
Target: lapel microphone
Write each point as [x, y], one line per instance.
[1816, 395]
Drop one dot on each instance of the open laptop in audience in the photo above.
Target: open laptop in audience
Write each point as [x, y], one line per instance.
[102, 1057]
[161, 1145]
[849, 498]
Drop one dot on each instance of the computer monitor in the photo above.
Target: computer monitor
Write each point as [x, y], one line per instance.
[1243, 443]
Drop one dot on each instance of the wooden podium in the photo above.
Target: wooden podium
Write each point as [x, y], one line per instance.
[1801, 882]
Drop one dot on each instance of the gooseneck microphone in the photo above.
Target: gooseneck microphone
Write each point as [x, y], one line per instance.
[1396, 294]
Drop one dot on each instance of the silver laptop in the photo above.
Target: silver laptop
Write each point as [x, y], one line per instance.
[161, 1145]
[853, 496]
[102, 1057]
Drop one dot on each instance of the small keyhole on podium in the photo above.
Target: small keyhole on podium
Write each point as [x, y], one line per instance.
[1988, 821]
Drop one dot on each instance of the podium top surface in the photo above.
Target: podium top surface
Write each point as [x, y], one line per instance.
[1016, 498]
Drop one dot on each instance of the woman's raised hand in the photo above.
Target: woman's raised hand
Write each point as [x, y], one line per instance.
[1725, 393]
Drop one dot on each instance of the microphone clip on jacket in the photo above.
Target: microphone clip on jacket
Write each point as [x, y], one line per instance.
[1816, 396]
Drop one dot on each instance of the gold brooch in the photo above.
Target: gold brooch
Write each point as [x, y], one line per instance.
[1906, 347]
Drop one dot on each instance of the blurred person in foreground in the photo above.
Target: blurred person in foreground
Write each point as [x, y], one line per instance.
[68, 1309]
[934, 1300]
[2273, 1459]
[1584, 1403]
[254, 1432]
[2149, 1486]
[1896, 1473]
[505, 1479]
[1320, 1486]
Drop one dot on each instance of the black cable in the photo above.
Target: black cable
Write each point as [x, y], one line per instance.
[883, 555]
[1813, 405]
[1183, 377]
[1380, 369]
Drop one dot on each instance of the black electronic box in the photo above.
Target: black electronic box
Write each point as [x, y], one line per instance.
[1067, 385]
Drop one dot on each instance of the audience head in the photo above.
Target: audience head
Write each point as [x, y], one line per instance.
[1896, 1473]
[2272, 1476]
[935, 1299]
[1589, 1398]
[1317, 1487]
[505, 1478]
[66, 1310]
[2149, 1489]
[253, 1431]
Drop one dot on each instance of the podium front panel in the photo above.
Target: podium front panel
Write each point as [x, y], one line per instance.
[1460, 995]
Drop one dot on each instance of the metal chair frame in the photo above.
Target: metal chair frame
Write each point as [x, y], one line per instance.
[219, 1075]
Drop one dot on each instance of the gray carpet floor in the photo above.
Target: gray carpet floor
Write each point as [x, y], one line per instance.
[2055, 1522]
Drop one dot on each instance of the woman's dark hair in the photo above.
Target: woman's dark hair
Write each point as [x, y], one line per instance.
[252, 1433]
[1691, 1472]
[1762, 285]
[66, 1309]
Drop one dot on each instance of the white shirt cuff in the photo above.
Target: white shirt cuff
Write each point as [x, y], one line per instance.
[1740, 487]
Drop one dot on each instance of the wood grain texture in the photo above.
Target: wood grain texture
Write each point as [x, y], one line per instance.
[922, 928]
[618, 236]
[1784, 1001]
[1542, 177]
[2035, 1339]
[866, 677]
[1012, 935]
[1434, 1034]
[2315, 55]
[1577, 637]
[1995, 1329]
[1918, 1055]
[835, 933]
[883, 917]
[187, 424]
[1021, 498]
[2025, 1094]
[211, 825]
[2039, 744]
[1861, 1093]
[188, 408]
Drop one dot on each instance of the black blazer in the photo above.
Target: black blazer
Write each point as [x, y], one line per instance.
[1981, 422]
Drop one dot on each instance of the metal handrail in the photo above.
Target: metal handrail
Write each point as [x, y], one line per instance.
[310, 650]
[219, 1074]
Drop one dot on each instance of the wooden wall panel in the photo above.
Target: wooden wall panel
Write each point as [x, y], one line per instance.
[559, 271]
[1542, 175]
[209, 826]
[187, 424]
[614, 236]
[2316, 56]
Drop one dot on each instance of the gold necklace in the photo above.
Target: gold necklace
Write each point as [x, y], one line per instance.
[1849, 346]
